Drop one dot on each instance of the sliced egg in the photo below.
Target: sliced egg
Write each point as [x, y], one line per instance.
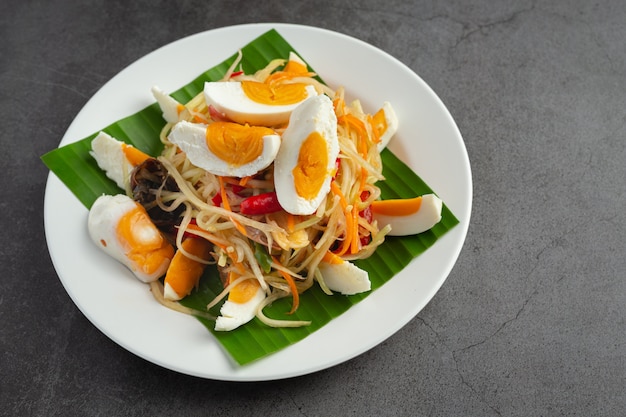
[343, 276]
[241, 306]
[385, 122]
[169, 106]
[186, 268]
[225, 148]
[305, 162]
[256, 103]
[122, 229]
[116, 158]
[295, 64]
[408, 216]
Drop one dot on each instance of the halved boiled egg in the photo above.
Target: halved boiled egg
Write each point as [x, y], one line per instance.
[305, 163]
[225, 148]
[256, 103]
[242, 304]
[385, 122]
[186, 268]
[169, 106]
[116, 158]
[122, 229]
[408, 216]
[343, 276]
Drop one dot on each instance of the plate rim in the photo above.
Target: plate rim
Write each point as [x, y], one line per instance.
[237, 374]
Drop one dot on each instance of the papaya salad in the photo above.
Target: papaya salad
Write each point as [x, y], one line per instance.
[269, 176]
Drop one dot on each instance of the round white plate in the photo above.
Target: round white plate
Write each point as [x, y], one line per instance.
[119, 305]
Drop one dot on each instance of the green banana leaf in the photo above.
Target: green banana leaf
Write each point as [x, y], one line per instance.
[80, 173]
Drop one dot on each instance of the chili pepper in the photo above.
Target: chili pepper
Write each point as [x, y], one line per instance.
[368, 216]
[217, 200]
[260, 204]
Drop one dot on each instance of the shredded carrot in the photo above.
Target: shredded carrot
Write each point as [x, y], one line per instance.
[331, 258]
[347, 240]
[363, 180]
[354, 243]
[223, 194]
[375, 132]
[198, 118]
[291, 222]
[292, 287]
[243, 181]
[351, 121]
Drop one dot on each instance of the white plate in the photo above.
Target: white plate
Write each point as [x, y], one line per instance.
[120, 306]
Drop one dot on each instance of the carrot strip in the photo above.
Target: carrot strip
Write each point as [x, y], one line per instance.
[291, 222]
[292, 286]
[354, 242]
[359, 127]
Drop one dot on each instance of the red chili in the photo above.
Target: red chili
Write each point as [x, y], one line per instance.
[217, 200]
[368, 216]
[260, 204]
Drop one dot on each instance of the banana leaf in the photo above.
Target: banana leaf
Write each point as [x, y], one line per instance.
[80, 173]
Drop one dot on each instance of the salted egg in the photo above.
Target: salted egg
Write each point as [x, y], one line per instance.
[305, 162]
[169, 106]
[408, 216]
[343, 276]
[241, 306]
[116, 158]
[122, 228]
[256, 103]
[225, 148]
[386, 123]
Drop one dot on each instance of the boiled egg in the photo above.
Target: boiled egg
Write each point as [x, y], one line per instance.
[241, 306]
[225, 148]
[116, 158]
[305, 163]
[256, 103]
[169, 106]
[122, 229]
[343, 276]
[385, 122]
[186, 268]
[408, 216]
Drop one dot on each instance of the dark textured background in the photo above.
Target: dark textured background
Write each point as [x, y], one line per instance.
[531, 321]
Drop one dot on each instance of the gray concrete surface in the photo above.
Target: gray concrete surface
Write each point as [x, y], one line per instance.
[531, 321]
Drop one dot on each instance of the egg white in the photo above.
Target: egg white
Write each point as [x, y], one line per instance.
[234, 314]
[345, 277]
[109, 155]
[102, 221]
[191, 138]
[169, 106]
[428, 215]
[229, 99]
[314, 115]
[391, 121]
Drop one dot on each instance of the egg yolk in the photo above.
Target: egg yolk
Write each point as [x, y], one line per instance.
[295, 67]
[144, 244]
[274, 93]
[380, 122]
[184, 272]
[312, 168]
[397, 207]
[234, 143]
[134, 155]
[244, 291]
